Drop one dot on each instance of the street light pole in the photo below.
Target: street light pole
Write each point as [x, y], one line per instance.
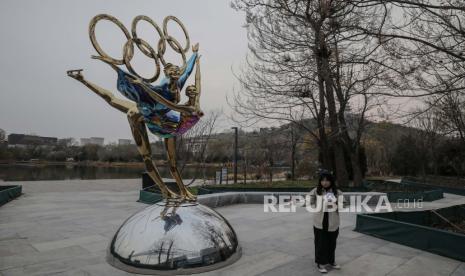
[235, 154]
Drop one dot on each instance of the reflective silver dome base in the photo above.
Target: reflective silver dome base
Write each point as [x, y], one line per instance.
[164, 239]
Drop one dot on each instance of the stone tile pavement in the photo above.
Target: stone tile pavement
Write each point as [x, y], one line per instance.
[64, 227]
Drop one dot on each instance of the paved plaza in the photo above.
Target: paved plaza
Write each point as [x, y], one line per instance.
[64, 228]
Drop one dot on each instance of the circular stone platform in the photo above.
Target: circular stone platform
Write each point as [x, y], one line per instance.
[167, 240]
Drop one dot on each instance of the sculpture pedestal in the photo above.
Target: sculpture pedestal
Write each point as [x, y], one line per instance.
[168, 239]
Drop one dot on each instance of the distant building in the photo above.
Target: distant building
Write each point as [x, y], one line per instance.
[198, 144]
[2, 135]
[92, 141]
[23, 139]
[66, 142]
[85, 141]
[122, 142]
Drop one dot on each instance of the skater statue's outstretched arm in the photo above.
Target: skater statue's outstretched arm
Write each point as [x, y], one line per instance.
[197, 84]
[189, 67]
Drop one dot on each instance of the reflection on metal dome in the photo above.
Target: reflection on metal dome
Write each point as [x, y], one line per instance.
[167, 239]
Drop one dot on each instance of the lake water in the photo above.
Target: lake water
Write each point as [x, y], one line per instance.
[23, 172]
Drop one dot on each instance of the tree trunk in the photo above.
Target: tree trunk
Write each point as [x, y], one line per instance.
[323, 145]
[357, 172]
[293, 163]
[354, 153]
[293, 151]
[335, 140]
[324, 153]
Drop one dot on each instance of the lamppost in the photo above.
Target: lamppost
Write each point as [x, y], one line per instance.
[235, 154]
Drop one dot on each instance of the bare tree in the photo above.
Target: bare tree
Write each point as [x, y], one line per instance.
[431, 132]
[307, 61]
[425, 43]
[194, 144]
[450, 113]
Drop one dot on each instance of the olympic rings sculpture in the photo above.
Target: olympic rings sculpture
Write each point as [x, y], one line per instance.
[142, 45]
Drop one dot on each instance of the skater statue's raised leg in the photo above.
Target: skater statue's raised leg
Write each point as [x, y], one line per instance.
[137, 127]
[121, 105]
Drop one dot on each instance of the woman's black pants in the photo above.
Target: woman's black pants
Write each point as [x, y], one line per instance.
[325, 245]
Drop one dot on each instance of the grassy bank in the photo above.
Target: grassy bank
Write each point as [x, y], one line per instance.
[274, 184]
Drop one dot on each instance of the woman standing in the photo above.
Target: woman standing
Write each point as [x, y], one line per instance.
[325, 221]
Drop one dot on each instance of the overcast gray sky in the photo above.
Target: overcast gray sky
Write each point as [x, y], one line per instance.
[43, 39]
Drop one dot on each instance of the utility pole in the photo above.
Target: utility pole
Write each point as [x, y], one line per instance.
[245, 166]
[235, 154]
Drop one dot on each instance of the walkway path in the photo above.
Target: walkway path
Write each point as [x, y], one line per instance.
[64, 227]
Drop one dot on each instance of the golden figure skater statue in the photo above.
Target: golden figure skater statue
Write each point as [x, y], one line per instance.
[154, 106]
[178, 235]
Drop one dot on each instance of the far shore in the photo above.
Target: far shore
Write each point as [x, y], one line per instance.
[41, 163]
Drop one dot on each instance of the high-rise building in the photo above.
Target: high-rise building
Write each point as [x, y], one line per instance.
[92, 141]
[24, 139]
[124, 142]
[85, 141]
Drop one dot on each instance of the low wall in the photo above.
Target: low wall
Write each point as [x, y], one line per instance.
[404, 191]
[412, 229]
[8, 193]
[214, 200]
[212, 190]
[229, 198]
[445, 189]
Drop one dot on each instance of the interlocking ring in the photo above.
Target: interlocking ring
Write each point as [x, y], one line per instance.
[151, 22]
[143, 46]
[93, 38]
[165, 31]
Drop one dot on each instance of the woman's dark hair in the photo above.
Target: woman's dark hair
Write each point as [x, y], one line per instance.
[328, 176]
